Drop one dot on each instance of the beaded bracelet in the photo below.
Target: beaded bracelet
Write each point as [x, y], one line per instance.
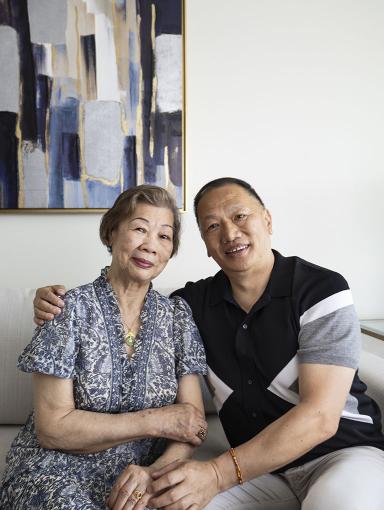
[237, 467]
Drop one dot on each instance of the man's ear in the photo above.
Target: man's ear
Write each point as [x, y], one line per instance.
[268, 220]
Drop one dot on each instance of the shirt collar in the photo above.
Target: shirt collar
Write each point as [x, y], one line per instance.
[280, 282]
[279, 285]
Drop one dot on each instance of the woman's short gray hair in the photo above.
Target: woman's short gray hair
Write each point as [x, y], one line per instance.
[126, 204]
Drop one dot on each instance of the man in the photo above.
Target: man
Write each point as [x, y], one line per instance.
[282, 343]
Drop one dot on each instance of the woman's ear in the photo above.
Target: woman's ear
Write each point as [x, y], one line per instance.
[110, 241]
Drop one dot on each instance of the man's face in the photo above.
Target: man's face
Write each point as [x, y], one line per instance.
[236, 229]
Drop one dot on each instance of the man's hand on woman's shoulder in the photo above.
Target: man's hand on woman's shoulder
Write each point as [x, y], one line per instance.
[48, 303]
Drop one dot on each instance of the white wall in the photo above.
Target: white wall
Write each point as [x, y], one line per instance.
[286, 94]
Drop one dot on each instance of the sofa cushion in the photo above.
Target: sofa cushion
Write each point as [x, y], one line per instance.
[16, 330]
[7, 435]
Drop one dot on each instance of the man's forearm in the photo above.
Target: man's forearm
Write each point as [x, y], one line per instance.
[283, 441]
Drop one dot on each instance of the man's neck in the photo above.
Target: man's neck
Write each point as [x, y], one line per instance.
[249, 286]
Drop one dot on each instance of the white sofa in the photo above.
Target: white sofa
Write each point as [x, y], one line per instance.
[16, 329]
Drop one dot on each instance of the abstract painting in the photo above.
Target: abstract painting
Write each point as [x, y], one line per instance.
[91, 101]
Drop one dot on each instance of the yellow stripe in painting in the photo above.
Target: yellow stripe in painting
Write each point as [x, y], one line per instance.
[78, 53]
[106, 182]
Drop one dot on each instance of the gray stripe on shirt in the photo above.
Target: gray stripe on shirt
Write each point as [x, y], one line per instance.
[334, 339]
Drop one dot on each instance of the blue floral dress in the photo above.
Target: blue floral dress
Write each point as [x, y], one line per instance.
[86, 344]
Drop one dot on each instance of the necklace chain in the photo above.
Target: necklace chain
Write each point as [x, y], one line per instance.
[129, 336]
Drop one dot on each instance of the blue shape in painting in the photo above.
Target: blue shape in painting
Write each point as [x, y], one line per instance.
[71, 156]
[168, 17]
[129, 162]
[9, 187]
[43, 86]
[134, 78]
[100, 195]
[74, 194]
[64, 120]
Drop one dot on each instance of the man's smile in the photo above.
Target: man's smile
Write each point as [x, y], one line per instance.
[236, 250]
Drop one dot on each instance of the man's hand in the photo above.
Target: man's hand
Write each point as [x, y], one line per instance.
[185, 484]
[130, 491]
[47, 303]
[181, 422]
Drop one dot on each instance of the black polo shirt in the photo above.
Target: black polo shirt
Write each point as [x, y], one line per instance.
[305, 315]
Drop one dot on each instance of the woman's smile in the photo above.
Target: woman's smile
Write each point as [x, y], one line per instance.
[143, 263]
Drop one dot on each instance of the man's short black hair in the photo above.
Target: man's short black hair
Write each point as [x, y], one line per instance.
[223, 181]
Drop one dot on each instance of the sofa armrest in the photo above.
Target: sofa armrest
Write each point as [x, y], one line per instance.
[371, 372]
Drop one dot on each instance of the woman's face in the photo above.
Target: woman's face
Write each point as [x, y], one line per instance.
[143, 243]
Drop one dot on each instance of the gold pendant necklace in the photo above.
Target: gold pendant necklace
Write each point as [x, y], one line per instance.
[130, 338]
[129, 335]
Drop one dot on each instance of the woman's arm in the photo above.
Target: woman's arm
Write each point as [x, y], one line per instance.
[59, 425]
[189, 392]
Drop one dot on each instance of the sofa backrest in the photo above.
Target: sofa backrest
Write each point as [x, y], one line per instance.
[16, 330]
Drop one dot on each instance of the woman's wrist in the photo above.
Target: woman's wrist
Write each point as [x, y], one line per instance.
[150, 424]
[174, 451]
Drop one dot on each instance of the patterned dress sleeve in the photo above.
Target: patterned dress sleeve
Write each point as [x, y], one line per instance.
[189, 350]
[54, 347]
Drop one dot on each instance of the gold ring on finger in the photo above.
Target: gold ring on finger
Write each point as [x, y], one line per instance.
[202, 434]
[136, 495]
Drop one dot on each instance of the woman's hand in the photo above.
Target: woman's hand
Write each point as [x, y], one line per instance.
[130, 489]
[181, 422]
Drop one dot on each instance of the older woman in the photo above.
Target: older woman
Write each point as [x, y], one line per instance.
[116, 392]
